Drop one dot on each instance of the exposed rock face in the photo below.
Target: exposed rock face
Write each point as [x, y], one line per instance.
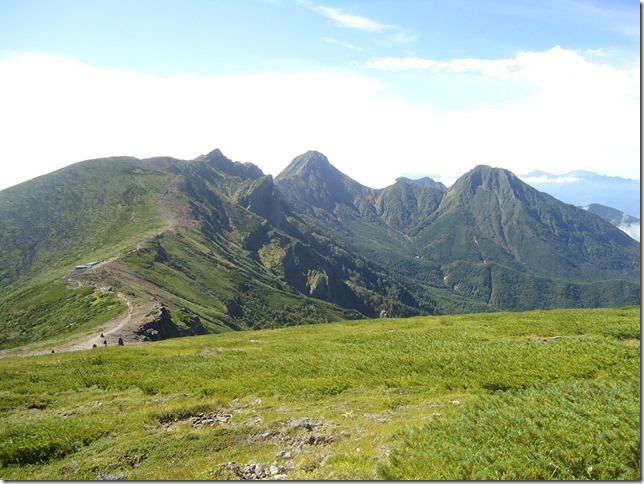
[262, 198]
[160, 325]
[315, 181]
[196, 325]
[245, 171]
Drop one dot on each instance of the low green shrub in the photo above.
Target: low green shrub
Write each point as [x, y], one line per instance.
[48, 438]
[53, 311]
[580, 430]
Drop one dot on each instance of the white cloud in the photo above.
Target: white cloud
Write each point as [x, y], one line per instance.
[633, 230]
[599, 53]
[582, 114]
[556, 68]
[57, 111]
[389, 34]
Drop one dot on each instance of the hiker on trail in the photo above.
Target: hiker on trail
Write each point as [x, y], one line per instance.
[105, 343]
[121, 342]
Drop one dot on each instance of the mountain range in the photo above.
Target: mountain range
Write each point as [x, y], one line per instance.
[621, 220]
[583, 188]
[211, 244]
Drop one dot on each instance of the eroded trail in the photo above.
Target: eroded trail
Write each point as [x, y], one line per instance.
[123, 327]
[174, 212]
[111, 334]
[107, 334]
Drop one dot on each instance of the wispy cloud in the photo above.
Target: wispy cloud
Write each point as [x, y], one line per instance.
[351, 21]
[402, 64]
[331, 40]
[598, 53]
[633, 230]
[616, 16]
[392, 34]
[401, 37]
[557, 70]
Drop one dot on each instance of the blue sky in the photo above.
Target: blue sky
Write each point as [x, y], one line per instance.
[383, 88]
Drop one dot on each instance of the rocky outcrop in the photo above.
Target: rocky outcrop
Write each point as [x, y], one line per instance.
[159, 325]
[244, 171]
[256, 471]
[260, 197]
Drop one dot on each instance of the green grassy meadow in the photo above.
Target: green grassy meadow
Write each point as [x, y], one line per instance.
[532, 395]
[52, 312]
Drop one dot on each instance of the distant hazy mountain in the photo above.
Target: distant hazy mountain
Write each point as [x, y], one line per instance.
[211, 245]
[621, 220]
[585, 188]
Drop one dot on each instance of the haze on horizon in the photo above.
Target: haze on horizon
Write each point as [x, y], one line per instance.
[384, 89]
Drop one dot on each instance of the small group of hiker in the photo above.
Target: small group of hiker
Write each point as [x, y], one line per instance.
[119, 341]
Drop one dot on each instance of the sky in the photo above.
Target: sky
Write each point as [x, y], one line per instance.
[384, 88]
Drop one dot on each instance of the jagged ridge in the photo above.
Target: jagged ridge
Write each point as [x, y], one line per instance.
[219, 241]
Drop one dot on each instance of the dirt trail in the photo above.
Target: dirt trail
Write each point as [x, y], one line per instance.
[108, 334]
[117, 328]
[174, 212]
[122, 327]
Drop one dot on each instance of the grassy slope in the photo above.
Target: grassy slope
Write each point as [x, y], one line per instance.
[126, 411]
[49, 313]
[87, 211]
[102, 208]
[221, 284]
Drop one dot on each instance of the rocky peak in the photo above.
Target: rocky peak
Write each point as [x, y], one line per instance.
[309, 164]
[314, 182]
[487, 179]
[422, 182]
[245, 171]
